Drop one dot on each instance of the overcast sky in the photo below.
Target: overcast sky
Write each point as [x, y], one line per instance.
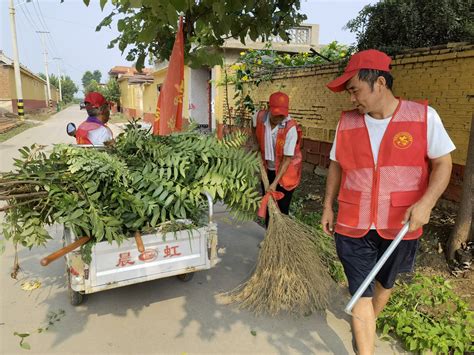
[73, 38]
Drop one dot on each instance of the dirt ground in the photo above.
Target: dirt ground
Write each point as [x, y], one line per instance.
[430, 258]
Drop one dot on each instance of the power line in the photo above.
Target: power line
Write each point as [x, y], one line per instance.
[21, 37]
[30, 17]
[51, 38]
[39, 17]
[41, 14]
[73, 67]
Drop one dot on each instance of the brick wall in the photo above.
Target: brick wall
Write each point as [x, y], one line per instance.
[443, 76]
[4, 83]
[31, 105]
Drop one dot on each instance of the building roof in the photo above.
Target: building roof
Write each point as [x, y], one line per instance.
[124, 70]
[141, 79]
[132, 75]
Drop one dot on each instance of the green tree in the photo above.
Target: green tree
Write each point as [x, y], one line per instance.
[149, 26]
[393, 25]
[93, 86]
[68, 87]
[112, 90]
[97, 75]
[86, 78]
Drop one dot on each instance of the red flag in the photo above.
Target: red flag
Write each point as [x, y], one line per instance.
[169, 110]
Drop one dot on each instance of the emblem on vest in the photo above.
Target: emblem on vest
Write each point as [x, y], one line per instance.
[402, 140]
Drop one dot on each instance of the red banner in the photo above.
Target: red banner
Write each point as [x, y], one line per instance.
[169, 110]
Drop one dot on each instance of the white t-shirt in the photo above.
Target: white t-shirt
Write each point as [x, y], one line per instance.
[290, 141]
[100, 135]
[439, 143]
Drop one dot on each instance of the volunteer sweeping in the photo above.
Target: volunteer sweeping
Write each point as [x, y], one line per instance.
[278, 137]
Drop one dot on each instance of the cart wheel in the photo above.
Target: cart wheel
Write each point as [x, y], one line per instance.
[185, 277]
[75, 298]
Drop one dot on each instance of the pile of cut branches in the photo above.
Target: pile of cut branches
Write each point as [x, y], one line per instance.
[138, 183]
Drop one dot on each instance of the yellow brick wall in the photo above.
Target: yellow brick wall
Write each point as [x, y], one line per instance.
[32, 87]
[127, 97]
[4, 84]
[447, 82]
[150, 94]
[444, 77]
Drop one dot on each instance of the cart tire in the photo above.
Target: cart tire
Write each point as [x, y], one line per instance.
[185, 277]
[75, 298]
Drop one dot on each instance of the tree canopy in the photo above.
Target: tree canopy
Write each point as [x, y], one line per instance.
[393, 25]
[111, 90]
[148, 27]
[89, 76]
[68, 87]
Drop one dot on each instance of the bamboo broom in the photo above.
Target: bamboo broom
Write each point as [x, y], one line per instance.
[289, 275]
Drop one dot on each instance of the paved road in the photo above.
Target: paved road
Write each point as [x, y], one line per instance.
[162, 316]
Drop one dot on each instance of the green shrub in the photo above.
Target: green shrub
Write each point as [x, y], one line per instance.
[428, 316]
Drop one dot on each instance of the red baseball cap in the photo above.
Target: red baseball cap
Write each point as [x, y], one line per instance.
[95, 100]
[368, 59]
[279, 103]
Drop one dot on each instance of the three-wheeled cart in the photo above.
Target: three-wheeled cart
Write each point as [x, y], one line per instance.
[177, 253]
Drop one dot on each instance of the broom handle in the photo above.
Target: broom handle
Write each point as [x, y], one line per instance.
[376, 269]
[139, 241]
[63, 251]
[263, 172]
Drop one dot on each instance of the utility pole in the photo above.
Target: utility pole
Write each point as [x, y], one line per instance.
[16, 64]
[59, 78]
[48, 96]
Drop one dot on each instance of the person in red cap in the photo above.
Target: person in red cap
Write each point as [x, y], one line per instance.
[278, 137]
[94, 129]
[390, 162]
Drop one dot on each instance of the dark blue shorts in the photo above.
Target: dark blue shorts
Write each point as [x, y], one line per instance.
[359, 255]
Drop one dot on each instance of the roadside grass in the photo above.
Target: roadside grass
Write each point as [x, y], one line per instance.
[16, 130]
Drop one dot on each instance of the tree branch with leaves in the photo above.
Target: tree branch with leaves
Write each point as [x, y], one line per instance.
[148, 27]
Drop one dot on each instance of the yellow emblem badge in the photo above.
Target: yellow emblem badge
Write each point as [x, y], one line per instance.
[402, 140]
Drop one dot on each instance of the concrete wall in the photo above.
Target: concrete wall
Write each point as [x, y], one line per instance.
[445, 77]
[34, 91]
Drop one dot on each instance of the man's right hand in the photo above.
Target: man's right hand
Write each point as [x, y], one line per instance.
[327, 221]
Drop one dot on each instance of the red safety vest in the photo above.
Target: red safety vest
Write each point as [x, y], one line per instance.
[381, 194]
[292, 176]
[83, 131]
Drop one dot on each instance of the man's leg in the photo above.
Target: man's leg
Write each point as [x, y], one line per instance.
[284, 203]
[358, 257]
[363, 326]
[380, 299]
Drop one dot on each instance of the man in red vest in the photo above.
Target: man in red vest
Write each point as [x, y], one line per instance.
[278, 137]
[94, 129]
[390, 162]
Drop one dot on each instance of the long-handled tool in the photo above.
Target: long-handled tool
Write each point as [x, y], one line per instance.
[63, 251]
[376, 269]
